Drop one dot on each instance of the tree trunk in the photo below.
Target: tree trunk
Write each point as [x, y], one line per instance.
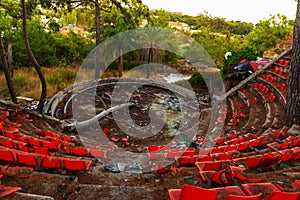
[120, 67]
[149, 61]
[6, 72]
[34, 61]
[10, 60]
[97, 23]
[292, 109]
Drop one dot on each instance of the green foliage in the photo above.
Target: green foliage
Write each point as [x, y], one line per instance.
[71, 48]
[197, 80]
[217, 44]
[240, 28]
[55, 80]
[61, 78]
[202, 80]
[70, 17]
[268, 32]
[41, 43]
[53, 26]
[248, 53]
[216, 24]
[20, 80]
[67, 75]
[160, 18]
[4, 92]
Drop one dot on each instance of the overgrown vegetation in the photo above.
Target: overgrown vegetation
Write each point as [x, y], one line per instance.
[27, 83]
[51, 48]
[248, 53]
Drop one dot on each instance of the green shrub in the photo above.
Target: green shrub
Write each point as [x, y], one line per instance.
[55, 80]
[67, 75]
[20, 80]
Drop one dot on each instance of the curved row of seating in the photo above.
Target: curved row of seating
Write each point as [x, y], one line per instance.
[252, 191]
[267, 147]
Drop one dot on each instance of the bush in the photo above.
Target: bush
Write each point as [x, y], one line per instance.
[248, 53]
[211, 76]
[55, 80]
[67, 75]
[20, 80]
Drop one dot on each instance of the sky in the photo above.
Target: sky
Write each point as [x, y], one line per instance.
[242, 10]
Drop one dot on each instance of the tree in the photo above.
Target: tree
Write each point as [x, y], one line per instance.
[292, 110]
[6, 72]
[9, 9]
[161, 18]
[131, 10]
[34, 61]
[268, 32]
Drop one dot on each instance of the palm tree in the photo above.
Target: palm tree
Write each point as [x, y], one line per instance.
[34, 61]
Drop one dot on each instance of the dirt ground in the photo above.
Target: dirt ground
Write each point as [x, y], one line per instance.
[99, 183]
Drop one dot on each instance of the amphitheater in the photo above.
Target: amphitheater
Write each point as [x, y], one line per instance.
[255, 156]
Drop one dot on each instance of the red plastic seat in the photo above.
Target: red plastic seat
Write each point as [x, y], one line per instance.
[8, 144]
[183, 160]
[206, 175]
[270, 158]
[205, 158]
[209, 166]
[223, 192]
[174, 194]
[79, 151]
[286, 63]
[254, 143]
[220, 141]
[254, 100]
[35, 142]
[296, 184]
[253, 161]
[286, 155]
[204, 151]
[242, 146]
[272, 97]
[230, 148]
[283, 196]
[10, 134]
[77, 165]
[224, 156]
[256, 188]
[188, 153]
[153, 148]
[189, 192]
[295, 142]
[5, 191]
[51, 162]
[296, 156]
[7, 155]
[41, 150]
[253, 197]
[218, 150]
[27, 159]
[50, 145]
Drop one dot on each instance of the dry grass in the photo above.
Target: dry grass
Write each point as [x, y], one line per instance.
[27, 83]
